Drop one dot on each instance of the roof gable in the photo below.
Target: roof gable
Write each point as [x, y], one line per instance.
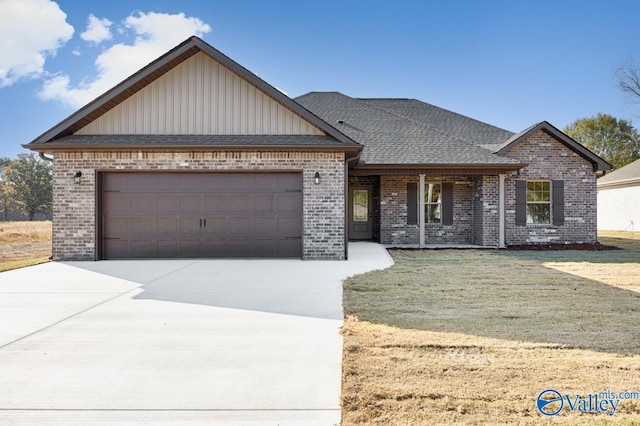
[202, 97]
[130, 107]
[597, 162]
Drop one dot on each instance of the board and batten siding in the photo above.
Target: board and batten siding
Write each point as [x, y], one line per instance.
[200, 97]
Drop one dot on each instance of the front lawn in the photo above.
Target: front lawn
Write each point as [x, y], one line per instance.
[473, 336]
[24, 244]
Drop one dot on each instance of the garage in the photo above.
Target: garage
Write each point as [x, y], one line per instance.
[200, 215]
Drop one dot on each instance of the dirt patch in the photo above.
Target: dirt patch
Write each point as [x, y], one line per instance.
[24, 240]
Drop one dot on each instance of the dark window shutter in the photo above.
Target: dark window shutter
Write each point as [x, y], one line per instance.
[447, 203]
[557, 202]
[412, 203]
[521, 202]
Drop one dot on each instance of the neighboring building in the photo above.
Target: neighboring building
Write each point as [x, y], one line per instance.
[195, 156]
[619, 199]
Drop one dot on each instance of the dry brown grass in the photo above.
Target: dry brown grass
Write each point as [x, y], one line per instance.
[21, 241]
[472, 337]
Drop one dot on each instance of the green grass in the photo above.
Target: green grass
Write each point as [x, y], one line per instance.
[15, 264]
[504, 295]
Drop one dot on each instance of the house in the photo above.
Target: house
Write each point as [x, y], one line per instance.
[619, 199]
[196, 156]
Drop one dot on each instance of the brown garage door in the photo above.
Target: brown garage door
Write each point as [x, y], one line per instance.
[165, 215]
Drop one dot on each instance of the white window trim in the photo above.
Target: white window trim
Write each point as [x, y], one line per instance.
[439, 203]
[550, 202]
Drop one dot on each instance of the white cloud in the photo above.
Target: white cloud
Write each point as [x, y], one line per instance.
[97, 30]
[155, 34]
[30, 30]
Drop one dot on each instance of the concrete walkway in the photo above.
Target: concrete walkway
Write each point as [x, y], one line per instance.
[216, 342]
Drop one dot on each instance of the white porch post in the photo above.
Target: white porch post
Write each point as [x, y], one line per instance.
[421, 209]
[501, 211]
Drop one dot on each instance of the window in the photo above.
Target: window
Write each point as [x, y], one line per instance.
[360, 205]
[432, 202]
[538, 201]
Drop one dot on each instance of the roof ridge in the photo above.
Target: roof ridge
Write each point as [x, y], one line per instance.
[466, 117]
[426, 126]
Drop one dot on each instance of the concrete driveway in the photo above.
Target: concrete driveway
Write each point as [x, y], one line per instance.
[245, 342]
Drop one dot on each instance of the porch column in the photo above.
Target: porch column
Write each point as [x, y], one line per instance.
[421, 209]
[501, 211]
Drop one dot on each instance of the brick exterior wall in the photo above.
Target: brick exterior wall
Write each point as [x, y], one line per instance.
[393, 211]
[486, 216]
[74, 205]
[549, 159]
[394, 229]
[476, 202]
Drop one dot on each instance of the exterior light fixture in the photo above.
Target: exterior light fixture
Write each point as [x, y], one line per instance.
[77, 176]
[316, 178]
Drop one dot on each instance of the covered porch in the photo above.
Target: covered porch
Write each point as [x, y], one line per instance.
[428, 208]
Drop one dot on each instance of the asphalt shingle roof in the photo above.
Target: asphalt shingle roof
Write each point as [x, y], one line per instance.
[407, 131]
[626, 173]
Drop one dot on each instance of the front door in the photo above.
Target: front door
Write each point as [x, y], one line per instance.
[360, 213]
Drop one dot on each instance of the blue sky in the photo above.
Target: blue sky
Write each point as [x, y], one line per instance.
[508, 63]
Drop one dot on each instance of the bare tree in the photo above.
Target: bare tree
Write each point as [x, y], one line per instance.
[629, 80]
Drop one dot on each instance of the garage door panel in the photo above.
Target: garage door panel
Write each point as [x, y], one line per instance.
[116, 226]
[289, 247]
[266, 227]
[241, 203]
[144, 225]
[167, 225]
[264, 203]
[289, 227]
[167, 205]
[140, 248]
[216, 226]
[189, 225]
[167, 248]
[190, 247]
[142, 205]
[289, 202]
[216, 203]
[190, 203]
[115, 203]
[238, 226]
[201, 215]
[116, 246]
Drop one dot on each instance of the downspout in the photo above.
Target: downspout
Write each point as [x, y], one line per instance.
[346, 204]
[44, 157]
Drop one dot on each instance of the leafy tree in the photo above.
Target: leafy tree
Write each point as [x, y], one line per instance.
[617, 141]
[6, 201]
[29, 183]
